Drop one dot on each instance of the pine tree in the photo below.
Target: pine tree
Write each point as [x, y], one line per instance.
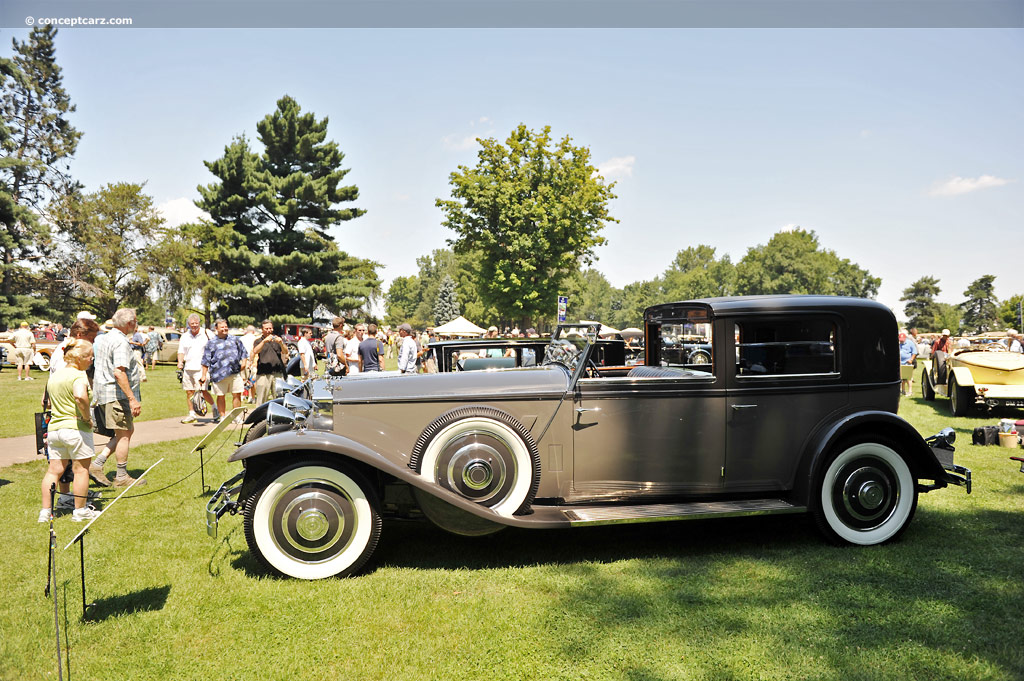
[446, 305]
[921, 309]
[981, 309]
[274, 255]
[36, 141]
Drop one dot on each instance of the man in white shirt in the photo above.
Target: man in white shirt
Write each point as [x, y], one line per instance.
[190, 362]
[352, 349]
[306, 352]
[1014, 344]
[407, 353]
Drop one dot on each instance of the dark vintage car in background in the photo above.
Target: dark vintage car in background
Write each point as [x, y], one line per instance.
[477, 354]
[794, 413]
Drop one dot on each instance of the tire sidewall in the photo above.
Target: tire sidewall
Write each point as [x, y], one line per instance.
[901, 514]
[359, 546]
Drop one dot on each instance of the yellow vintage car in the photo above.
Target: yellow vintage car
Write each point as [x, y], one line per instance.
[984, 373]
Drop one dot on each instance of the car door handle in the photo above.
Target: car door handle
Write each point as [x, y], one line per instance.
[582, 410]
[737, 407]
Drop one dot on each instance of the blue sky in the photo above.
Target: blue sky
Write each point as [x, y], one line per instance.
[902, 149]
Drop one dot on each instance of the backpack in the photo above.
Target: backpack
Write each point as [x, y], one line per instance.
[985, 435]
[336, 361]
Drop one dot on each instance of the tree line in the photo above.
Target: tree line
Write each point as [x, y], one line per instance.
[526, 219]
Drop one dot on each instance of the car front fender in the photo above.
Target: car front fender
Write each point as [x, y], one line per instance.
[260, 412]
[920, 459]
[332, 444]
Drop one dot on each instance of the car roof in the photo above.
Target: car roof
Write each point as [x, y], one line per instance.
[775, 303]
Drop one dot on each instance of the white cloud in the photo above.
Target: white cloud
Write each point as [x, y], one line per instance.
[620, 166]
[789, 228]
[965, 185]
[180, 211]
[456, 142]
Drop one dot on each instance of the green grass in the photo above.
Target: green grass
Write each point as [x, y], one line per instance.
[757, 598]
[162, 397]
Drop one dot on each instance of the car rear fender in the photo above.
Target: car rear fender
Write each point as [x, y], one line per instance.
[919, 456]
[298, 443]
[964, 377]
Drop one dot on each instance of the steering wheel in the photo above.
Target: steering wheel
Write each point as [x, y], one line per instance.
[591, 371]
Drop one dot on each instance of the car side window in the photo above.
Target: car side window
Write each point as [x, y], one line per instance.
[686, 344]
[788, 347]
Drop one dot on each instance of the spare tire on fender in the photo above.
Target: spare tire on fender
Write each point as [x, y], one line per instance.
[483, 454]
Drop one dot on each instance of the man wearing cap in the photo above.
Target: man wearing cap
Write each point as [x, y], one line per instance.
[407, 351]
[24, 349]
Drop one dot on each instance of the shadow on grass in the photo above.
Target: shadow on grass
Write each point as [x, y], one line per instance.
[144, 600]
[4, 482]
[943, 602]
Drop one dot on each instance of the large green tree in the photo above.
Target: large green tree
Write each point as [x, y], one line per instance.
[981, 309]
[921, 307]
[105, 259]
[794, 262]
[411, 299]
[594, 298]
[1010, 311]
[696, 272]
[533, 209]
[279, 259]
[36, 143]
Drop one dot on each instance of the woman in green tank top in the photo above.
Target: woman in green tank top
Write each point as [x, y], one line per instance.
[69, 434]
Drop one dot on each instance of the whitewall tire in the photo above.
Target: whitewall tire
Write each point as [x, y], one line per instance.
[866, 495]
[313, 520]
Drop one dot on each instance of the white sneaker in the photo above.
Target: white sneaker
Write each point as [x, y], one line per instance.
[29, 378]
[44, 515]
[216, 415]
[191, 418]
[238, 420]
[84, 513]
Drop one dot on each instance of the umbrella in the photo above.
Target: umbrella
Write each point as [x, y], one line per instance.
[631, 332]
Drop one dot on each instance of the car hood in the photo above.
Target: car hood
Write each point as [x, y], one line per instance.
[538, 382]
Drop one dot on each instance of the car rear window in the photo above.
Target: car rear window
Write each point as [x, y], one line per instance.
[686, 344]
[786, 347]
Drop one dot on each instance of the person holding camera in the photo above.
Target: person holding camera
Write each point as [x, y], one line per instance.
[268, 355]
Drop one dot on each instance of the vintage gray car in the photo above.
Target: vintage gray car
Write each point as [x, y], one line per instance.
[795, 412]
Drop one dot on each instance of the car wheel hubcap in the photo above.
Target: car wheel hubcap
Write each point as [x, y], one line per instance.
[312, 521]
[478, 465]
[865, 493]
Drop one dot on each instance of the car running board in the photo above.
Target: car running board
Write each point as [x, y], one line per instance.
[652, 513]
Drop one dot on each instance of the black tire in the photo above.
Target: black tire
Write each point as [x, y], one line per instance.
[927, 391]
[865, 494]
[960, 399]
[483, 454]
[255, 432]
[313, 519]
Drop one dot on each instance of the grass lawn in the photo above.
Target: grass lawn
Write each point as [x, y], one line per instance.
[757, 598]
[162, 397]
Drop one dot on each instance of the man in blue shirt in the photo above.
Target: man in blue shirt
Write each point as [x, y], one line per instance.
[224, 358]
[908, 357]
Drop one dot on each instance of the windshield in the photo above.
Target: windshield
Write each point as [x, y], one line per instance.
[569, 344]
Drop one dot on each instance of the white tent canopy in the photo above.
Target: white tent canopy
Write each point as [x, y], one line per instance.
[605, 330]
[460, 326]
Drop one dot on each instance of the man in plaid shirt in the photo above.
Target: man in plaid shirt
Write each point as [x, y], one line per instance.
[224, 358]
[116, 393]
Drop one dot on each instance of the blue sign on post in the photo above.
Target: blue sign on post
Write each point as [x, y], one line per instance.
[563, 303]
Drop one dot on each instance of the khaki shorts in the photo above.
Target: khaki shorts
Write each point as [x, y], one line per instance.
[118, 415]
[23, 356]
[227, 386]
[69, 443]
[190, 379]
